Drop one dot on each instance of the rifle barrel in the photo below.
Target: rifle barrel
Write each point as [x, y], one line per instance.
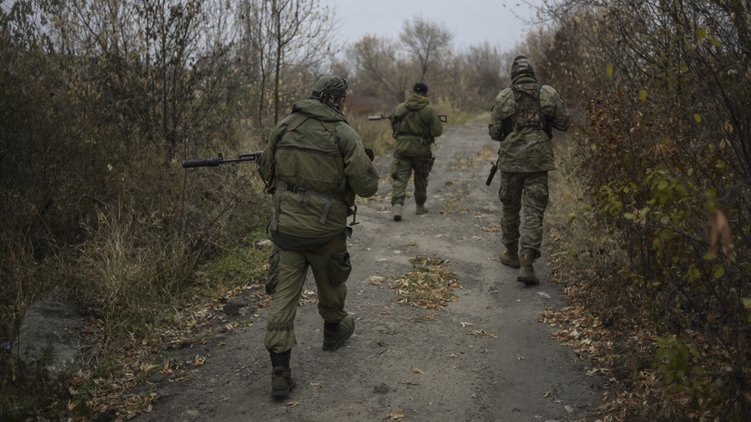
[204, 162]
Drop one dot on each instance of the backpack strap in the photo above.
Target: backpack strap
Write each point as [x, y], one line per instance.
[294, 124]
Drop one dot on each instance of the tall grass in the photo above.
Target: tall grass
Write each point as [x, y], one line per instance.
[131, 271]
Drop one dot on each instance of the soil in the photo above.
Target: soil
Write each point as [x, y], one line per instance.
[404, 362]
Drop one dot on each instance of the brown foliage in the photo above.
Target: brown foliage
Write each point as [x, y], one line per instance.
[662, 149]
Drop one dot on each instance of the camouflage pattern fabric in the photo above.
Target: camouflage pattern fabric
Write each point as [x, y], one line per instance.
[328, 88]
[401, 171]
[526, 149]
[528, 190]
[287, 270]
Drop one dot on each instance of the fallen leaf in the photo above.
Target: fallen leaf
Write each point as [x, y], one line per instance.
[482, 333]
[720, 231]
[547, 394]
[318, 384]
[198, 361]
[147, 367]
[396, 416]
[466, 324]
[417, 371]
[293, 403]
[520, 358]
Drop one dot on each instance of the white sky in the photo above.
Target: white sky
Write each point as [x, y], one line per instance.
[471, 21]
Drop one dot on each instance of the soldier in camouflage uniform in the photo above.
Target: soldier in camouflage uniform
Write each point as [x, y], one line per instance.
[416, 125]
[521, 120]
[314, 164]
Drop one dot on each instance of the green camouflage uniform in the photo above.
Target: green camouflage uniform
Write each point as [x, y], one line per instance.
[414, 133]
[314, 164]
[525, 155]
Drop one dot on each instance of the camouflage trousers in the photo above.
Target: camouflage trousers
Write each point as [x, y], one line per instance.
[287, 271]
[401, 171]
[528, 191]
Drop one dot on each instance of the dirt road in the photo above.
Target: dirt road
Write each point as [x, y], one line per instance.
[403, 362]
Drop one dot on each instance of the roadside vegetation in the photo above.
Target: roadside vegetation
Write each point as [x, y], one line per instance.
[100, 101]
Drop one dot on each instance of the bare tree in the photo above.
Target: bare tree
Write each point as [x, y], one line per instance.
[426, 41]
[286, 40]
[381, 71]
[156, 70]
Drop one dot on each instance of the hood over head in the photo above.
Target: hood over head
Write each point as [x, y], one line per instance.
[521, 67]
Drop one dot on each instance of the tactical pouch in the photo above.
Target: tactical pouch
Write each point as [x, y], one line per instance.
[272, 279]
[428, 166]
[339, 267]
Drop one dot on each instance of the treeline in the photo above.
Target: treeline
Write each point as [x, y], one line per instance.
[664, 149]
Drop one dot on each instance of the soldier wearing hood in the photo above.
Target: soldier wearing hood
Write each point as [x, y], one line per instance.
[314, 164]
[522, 119]
[415, 125]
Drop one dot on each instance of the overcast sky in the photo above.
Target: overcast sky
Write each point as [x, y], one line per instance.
[471, 21]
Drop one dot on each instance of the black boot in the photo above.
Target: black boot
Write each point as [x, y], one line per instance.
[334, 334]
[281, 375]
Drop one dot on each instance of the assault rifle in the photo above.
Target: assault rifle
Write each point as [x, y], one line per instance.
[219, 160]
[442, 117]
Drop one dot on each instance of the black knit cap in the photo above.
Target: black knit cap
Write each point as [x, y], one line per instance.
[420, 87]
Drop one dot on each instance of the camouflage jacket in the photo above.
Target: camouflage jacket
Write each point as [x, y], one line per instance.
[314, 164]
[529, 149]
[417, 130]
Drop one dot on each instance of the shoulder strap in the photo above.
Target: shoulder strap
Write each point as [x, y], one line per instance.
[400, 117]
[294, 124]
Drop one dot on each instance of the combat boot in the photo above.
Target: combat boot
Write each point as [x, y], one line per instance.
[510, 256]
[421, 209]
[281, 375]
[527, 272]
[397, 212]
[334, 335]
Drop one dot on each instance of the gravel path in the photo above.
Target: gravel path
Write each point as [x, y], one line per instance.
[403, 362]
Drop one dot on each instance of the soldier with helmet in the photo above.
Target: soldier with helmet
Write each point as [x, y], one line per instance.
[314, 164]
[522, 119]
